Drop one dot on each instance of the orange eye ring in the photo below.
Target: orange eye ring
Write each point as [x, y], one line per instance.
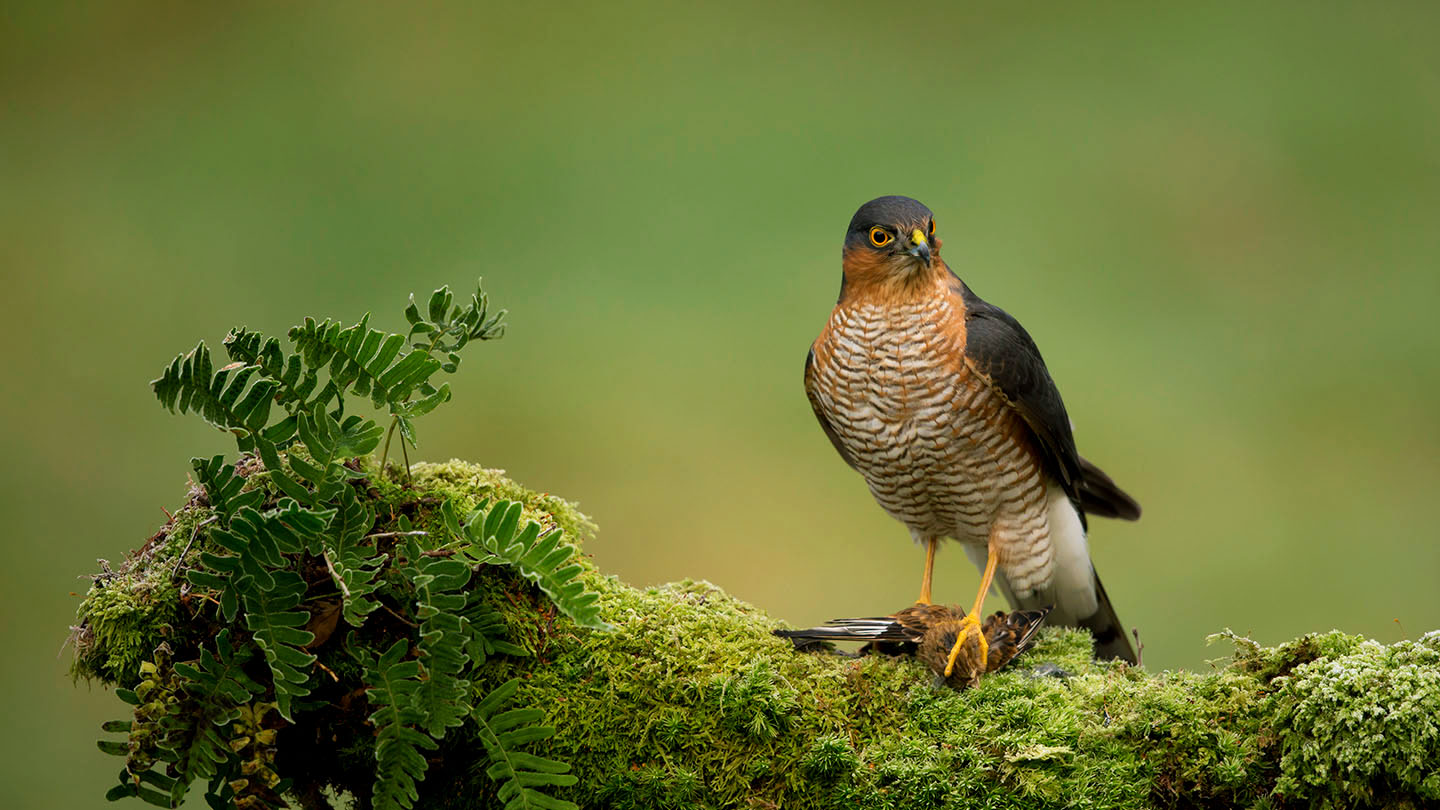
[879, 237]
[932, 227]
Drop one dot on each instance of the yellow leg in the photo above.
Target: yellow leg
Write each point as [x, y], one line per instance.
[972, 620]
[929, 570]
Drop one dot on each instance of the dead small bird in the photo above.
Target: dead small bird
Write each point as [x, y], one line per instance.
[929, 633]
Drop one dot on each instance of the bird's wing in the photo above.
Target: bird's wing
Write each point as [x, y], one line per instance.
[819, 414]
[999, 349]
[873, 628]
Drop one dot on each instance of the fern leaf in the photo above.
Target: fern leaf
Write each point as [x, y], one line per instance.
[353, 565]
[494, 537]
[398, 761]
[258, 542]
[519, 773]
[215, 687]
[363, 360]
[329, 443]
[450, 328]
[294, 381]
[440, 699]
[488, 633]
[272, 615]
[224, 398]
[222, 486]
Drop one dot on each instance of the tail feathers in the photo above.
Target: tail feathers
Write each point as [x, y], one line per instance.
[1111, 640]
[1087, 608]
[1099, 495]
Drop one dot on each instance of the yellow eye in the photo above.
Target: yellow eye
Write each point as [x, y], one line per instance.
[932, 227]
[879, 237]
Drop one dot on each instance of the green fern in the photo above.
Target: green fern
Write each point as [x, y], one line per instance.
[494, 537]
[294, 382]
[291, 406]
[450, 326]
[273, 615]
[398, 761]
[489, 634]
[518, 773]
[215, 688]
[259, 542]
[362, 361]
[223, 487]
[440, 699]
[224, 398]
[353, 566]
[257, 577]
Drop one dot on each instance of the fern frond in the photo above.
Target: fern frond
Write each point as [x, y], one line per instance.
[294, 381]
[215, 688]
[257, 575]
[518, 773]
[488, 633]
[441, 698]
[398, 761]
[494, 537]
[225, 398]
[353, 565]
[451, 327]
[365, 361]
[272, 615]
[222, 486]
[153, 698]
[258, 542]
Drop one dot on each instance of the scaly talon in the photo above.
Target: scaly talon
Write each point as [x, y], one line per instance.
[972, 619]
[966, 625]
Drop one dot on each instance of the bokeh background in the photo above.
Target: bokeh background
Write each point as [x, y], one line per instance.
[1219, 223]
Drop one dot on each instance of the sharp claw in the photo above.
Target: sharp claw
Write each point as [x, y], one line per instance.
[965, 625]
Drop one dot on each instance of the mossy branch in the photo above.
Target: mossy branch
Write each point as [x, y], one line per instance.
[689, 701]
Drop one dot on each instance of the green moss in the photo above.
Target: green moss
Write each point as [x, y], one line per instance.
[1363, 726]
[691, 702]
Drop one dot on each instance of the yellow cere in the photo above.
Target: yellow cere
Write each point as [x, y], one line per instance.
[918, 236]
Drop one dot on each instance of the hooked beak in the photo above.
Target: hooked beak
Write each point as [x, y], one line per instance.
[921, 249]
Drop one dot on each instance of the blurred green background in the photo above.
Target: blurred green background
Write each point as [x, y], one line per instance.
[1219, 223]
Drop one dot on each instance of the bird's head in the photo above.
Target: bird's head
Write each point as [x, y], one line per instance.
[891, 239]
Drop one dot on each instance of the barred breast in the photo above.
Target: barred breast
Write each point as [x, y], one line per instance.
[938, 447]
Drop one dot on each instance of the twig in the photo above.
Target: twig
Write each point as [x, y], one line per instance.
[344, 591]
[379, 535]
[439, 552]
[1139, 648]
[328, 671]
[193, 532]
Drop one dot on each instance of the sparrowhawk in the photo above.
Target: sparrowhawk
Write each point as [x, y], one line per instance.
[943, 403]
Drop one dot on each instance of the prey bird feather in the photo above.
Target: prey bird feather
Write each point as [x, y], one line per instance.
[929, 633]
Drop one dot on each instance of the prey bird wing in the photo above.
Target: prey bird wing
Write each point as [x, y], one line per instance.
[907, 626]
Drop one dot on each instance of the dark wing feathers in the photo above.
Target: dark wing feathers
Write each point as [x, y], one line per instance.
[999, 348]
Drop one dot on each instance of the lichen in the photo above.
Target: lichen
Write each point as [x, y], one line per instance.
[690, 702]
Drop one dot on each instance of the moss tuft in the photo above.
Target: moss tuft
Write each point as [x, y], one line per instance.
[1362, 727]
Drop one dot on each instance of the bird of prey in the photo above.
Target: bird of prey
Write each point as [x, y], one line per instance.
[943, 404]
[929, 632]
